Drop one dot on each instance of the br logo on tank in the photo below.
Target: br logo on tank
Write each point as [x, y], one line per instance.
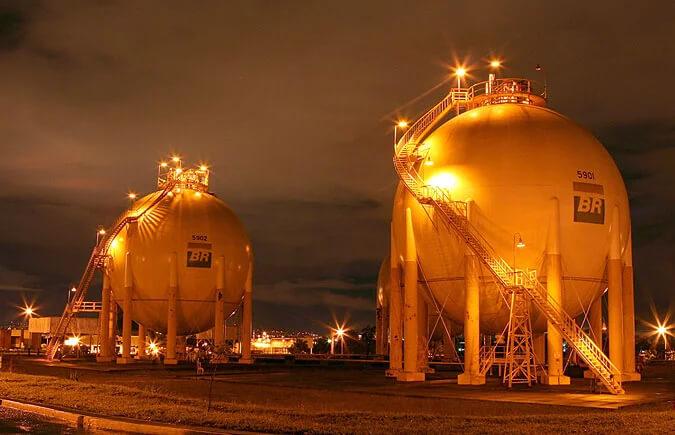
[589, 203]
[199, 255]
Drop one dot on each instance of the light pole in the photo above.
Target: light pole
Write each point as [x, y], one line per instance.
[662, 331]
[517, 244]
[71, 293]
[460, 72]
[341, 336]
[540, 69]
[28, 312]
[400, 124]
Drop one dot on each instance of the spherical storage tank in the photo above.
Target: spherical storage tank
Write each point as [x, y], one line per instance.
[199, 231]
[515, 164]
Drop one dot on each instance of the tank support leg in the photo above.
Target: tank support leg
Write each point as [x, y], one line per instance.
[247, 319]
[104, 353]
[629, 372]
[471, 375]
[395, 308]
[172, 297]
[411, 370]
[219, 324]
[113, 329]
[614, 294]
[554, 375]
[126, 313]
[142, 335]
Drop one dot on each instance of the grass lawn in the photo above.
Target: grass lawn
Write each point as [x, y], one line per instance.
[146, 404]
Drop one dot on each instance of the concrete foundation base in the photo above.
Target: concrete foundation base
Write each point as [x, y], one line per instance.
[631, 377]
[410, 377]
[555, 380]
[392, 373]
[170, 361]
[245, 360]
[470, 379]
[427, 370]
[104, 359]
[123, 360]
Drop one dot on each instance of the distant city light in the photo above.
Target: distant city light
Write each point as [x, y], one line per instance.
[72, 341]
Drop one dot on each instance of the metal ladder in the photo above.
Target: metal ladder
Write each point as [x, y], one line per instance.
[97, 260]
[407, 161]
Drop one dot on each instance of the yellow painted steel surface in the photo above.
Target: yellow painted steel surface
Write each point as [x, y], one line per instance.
[200, 229]
[510, 160]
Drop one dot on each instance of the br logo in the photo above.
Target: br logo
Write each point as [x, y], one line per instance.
[198, 258]
[589, 209]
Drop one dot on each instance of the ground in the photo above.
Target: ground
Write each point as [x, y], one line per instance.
[348, 399]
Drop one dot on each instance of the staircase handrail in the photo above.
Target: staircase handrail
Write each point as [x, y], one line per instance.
[98, 252]
[406, 164]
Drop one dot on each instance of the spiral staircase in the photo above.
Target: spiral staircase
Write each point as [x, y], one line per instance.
[407, 160]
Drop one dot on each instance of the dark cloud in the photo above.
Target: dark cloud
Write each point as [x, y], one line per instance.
[292, 103]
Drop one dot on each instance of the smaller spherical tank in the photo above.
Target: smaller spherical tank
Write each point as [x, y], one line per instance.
[200, 232]
[384, 285]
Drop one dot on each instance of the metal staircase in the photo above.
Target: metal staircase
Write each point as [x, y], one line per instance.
[97, 260]
[407, 160]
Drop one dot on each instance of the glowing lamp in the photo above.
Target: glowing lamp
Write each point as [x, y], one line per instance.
[203, 168]
[175, 159]
[163, 164]
[132, 195]
[460, 72]
[495, 63]
[402, 124]
[72, 341]
[101, 231]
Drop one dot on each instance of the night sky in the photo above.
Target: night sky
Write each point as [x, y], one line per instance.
[292, 103]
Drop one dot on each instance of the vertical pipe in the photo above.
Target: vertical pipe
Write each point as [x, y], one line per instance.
[630, 374]
[126, 312]
[379, 334]
[219, 323]
[411, 370]
[104, 320]
[172, 297]
[423, 334]
[554, 375]
[595, 321]
[395, 308]
[614, 293]
[247, 319]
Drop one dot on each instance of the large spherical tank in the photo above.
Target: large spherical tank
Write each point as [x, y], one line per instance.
[202, 231]
[513, 162]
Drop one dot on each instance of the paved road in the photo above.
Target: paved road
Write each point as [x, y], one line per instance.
[17, 422]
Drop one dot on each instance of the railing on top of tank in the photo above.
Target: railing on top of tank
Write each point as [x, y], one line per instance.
[505, 90]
